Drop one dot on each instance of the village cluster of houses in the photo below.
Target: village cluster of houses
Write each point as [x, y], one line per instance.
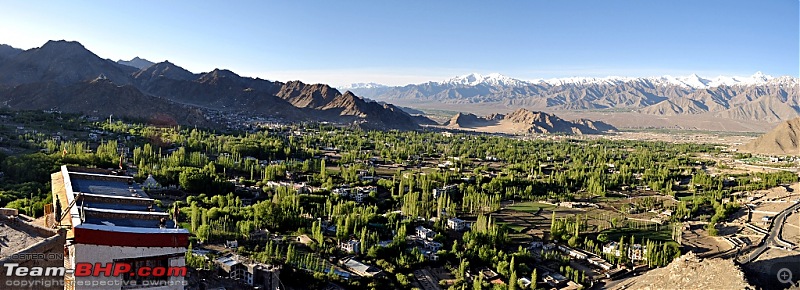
[571, 204]
[663, 216]
[636, 252]
[446, 190]
[423, 240]
[358, 194]
[300, 187]
[263, 276]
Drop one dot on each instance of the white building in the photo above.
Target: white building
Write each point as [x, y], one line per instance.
[351, 246]
[254, 274]
[456, 224]
[432, 246]
[611, 248]
[344, 192]
[444, 190]
[425, 233]
[362, 193]
[232, 244]
[359, 196]
[637, 252]
[110, 220]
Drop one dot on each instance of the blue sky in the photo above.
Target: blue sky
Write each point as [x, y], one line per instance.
[400, 42]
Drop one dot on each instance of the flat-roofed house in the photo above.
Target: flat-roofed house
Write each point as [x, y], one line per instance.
[255, 274]
[425, 233]
[456, 224]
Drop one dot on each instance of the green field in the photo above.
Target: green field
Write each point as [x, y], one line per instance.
[609, 198]
[514, 227]
[664, 233]
[530, 206]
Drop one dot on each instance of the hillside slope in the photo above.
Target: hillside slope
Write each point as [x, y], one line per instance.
[690, 272]
[782, 140]
[523, 121]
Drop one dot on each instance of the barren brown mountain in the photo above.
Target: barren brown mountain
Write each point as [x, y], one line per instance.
[523, 121]
[783, 140]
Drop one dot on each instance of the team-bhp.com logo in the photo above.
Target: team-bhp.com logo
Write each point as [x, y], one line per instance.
[121, 269]
[83, 269]
[157, 275]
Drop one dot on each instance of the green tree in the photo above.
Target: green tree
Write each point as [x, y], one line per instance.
[193, 180]
[603, 238]
[477, 283]
[204, 233]
[194, 216]
[512, 281]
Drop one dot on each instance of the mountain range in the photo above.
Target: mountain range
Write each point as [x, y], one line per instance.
[758, 97]
[65, 76]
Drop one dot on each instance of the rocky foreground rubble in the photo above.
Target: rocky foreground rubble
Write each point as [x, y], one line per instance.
[691, 272]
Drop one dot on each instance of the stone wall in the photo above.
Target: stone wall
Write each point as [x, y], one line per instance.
[46, 253]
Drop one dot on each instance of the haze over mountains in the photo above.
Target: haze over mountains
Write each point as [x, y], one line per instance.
[65, 76]
[755, 98]
[137, 62]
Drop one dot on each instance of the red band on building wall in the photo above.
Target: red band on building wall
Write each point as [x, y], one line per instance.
[123, 239]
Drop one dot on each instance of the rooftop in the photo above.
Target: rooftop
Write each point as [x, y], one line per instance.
[105, 200]
[17, 234]
[360, 268]
[105, 185]
[231, 260]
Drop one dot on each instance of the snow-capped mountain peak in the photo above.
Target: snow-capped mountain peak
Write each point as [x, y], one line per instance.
[760, 75]
[582, 80]
[692, 81]
[364, 86]
[475, 79]
[756, 79]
